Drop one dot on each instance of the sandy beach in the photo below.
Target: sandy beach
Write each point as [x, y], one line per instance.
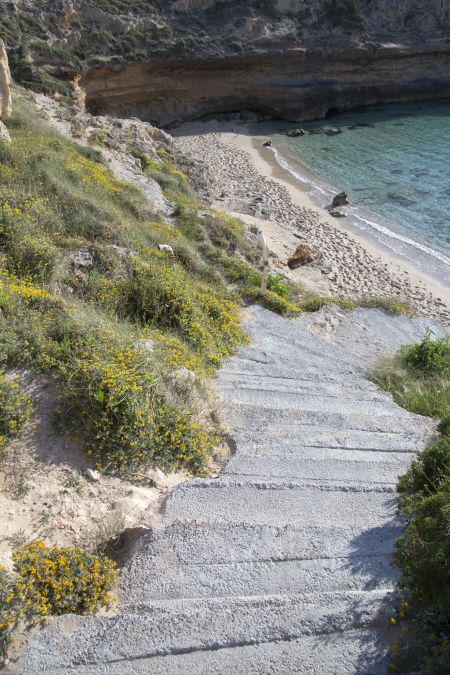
[244, 178]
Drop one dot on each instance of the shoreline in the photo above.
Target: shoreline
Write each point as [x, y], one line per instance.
[376, 247]
[246, 180]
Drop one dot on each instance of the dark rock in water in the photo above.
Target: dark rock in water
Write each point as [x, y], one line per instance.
[294, 133]
[267, 144]
[400, 199]
[334, 131]
[340, 200]
[361, 125]
[337, 214]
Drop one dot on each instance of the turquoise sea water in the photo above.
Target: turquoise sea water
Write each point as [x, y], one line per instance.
[396, 172]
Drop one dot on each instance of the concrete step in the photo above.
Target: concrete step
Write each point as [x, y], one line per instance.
[328, 464]
[191, 625]
[218, 502]
[326, 387]
[346, 403]
[312, 438]
[349, 653]
[161, 577]
[290, 423]
[188, 542]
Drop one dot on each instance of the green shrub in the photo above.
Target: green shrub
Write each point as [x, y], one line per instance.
[390, 306]
[429, 357]
[423, 551]
[426, 474]
[277, 284]
[15, 408]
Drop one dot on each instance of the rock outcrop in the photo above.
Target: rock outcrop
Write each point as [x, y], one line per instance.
[5, 84]
[295, 84]
[181, 59]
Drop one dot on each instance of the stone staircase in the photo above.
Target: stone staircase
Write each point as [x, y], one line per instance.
[283, 563]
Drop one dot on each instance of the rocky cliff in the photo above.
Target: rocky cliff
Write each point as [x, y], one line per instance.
[295, 84]
[182, 59]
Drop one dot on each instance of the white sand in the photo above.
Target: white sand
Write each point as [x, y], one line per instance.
[245, 179]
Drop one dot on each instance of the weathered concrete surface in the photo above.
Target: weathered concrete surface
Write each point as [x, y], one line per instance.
[283, 564]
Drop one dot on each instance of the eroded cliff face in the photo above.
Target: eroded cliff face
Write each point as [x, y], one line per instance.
[296, 84]
[181, 59]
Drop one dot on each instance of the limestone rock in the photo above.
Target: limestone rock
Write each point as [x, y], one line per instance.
[93, 475]
[164, 248]
[303, 255]
[5, 83]
[340, 200]
[4, 134]
[82, 259]
[184, 377]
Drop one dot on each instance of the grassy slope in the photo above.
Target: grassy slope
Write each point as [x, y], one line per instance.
[115, 333]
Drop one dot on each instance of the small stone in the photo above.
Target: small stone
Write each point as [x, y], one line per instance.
[93, 475]
[4, 134]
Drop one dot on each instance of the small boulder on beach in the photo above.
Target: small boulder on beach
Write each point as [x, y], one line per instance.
[303, 254]
[267, 144]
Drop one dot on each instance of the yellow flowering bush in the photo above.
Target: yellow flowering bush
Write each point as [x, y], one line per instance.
[272, 301]
[115, 391]
[10, 607]
[163, 295]
[15, 408]
[24, 220]
[55, 580]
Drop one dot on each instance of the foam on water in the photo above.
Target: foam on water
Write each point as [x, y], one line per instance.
[395, 166]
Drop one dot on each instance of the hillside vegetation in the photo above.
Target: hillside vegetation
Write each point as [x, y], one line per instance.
[116, 333]
[419, 379]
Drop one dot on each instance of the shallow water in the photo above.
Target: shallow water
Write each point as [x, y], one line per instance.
[396, 171]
